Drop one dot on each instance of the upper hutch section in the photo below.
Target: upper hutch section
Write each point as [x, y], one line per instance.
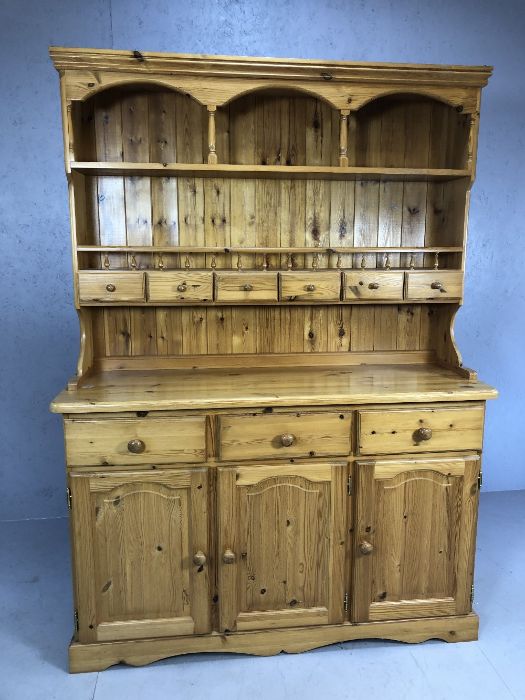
[229, 205]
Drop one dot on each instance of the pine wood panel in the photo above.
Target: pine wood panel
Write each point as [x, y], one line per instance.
[136, 581]
[417, 522]
[277, 330]
[288, 573]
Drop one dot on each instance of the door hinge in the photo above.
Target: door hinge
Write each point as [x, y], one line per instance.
[68, 498]
[345, 602]
[349, 486]
[75, 619]
[472, 594]
[480, 479]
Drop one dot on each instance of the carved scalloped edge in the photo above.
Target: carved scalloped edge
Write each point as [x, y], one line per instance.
[99, 656]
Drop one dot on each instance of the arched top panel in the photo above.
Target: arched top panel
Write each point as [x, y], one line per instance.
[276, 126]
[412, 130]
[141, 122]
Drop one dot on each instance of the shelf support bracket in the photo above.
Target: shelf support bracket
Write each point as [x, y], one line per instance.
[212, 155]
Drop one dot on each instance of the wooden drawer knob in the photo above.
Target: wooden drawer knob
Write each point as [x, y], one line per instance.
[437, 285]
[182, 287]
[422, 434]
[366, 547]
[110, 287]
[373, 285]
[136, 446]
[248, 287]
[310, 287]
[287, 440]
[228, 556]
[199, 558]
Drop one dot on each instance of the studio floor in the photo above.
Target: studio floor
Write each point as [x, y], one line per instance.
[36, 623]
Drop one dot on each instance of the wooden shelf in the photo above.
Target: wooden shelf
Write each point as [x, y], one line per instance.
[261, 250]
[142, 390]
[300, 172]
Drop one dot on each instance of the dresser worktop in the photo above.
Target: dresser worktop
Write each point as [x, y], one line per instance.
[198, 388]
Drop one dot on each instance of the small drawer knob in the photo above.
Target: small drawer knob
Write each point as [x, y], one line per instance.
[228, 556]
[199, 558]
[248, 287]
[310, 287]
[110, 287]
[182, 287]
[287, 440]
[373, 285]
[136, 446]
[422, 434]
[438, 285]
[366, 547]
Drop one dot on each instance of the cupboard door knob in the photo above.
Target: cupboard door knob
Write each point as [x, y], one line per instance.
[366, 547]
[248, 287]
[422, 434]
[287, 440]
[373, 285]
[136, 446]
[182, 287]
[110, 287]
[199, 558]
[228, 556]
[437, 285]
[310, 287]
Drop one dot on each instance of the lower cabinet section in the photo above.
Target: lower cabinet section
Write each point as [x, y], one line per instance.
[140, 549]
[282, 537]
[414, 537]
[232, 550]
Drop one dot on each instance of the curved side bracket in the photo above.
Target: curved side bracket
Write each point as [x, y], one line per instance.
[85, 357]
[447, 352]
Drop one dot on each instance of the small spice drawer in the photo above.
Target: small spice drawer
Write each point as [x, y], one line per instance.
[121, 442]
[438, 284]
[373, 284]
[310, 286]
[284, 435]
[94, 286]
[180, 286]
[246, 286]
[420, 430]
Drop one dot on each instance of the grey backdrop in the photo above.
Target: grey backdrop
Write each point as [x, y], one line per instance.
[39, 341]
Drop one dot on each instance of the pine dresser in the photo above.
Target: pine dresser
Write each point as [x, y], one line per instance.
[271, 441]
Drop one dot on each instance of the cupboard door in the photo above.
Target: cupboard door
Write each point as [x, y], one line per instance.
[415, 524]
[140, 546]
[282, 546]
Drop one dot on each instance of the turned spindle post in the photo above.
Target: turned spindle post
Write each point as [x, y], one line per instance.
[212, 155]
[343, 138]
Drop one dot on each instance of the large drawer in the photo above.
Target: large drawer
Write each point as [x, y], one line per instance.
[420, 430]
[284, 435]
[116, 286]
[123, 441]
